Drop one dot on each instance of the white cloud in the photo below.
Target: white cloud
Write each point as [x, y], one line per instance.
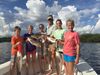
[99, 15]
[84, 29]
[88, 12]
[93, 16]
[69, 12]
[4, 28]
[37, 13]
[1, 13]
[36, 9]
[54, 9]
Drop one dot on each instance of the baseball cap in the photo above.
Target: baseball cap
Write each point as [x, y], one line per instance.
[50, 17]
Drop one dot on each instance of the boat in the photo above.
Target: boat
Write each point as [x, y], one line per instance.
[83, 68]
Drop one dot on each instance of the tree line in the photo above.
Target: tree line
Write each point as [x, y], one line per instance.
[90, 38]
[83, 38]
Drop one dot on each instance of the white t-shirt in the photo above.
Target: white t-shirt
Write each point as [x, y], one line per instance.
[50, 29]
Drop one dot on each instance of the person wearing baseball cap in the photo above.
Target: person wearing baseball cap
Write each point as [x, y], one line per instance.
[50, 17]
[50, 27]
[51, 50]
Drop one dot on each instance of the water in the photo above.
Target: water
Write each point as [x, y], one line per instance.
[90, 52]
[5, 52]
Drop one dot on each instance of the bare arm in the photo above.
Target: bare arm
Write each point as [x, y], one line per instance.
[14, 45]
[77, 53]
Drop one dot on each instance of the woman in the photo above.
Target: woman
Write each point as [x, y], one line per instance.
[58, 35]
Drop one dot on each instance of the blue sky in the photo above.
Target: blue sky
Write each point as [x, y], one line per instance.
[86, 13]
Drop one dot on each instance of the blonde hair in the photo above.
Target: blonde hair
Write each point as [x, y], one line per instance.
[30, 26]
[70, 20]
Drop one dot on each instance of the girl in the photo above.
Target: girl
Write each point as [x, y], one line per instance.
[58, 35]
[71, 48]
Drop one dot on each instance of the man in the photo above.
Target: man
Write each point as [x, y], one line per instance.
[51, 27]
[51, 48]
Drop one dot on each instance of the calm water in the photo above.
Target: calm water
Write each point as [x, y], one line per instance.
[89, 52]
[5, 49]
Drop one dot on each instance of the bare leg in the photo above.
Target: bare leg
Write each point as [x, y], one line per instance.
[66, 67]
[52, 50]
[40, 62]
[33, 61]
[71, 68]
[27, 63]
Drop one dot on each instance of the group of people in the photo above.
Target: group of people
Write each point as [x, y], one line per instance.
[66, 46]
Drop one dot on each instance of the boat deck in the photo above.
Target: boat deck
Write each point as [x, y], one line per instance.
[83, 68]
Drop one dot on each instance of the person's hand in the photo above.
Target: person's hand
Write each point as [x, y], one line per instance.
[76, 60]
[18, 43]
[14, 46]
[27, 40]
[59, 42]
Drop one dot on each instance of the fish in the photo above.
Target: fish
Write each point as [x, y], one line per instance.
[52, 40]
[33, 42]
[36, 36]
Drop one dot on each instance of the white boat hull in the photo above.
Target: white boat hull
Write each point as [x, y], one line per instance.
[83, 68]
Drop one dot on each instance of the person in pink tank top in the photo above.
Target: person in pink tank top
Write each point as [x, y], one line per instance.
[71, 48]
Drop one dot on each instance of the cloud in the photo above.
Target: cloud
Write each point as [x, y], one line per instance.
[84, 29]
[88, 12]
[4, 27]
[37, 12]
[54, 9]
[36, 9]
[69, 12]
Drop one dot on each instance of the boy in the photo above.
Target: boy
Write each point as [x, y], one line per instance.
[16, 50]
[30, 49]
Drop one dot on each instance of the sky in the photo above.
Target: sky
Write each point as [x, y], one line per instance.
[85, 13]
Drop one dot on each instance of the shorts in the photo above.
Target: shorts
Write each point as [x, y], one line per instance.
[29, 47]
[69, 58]
[42, 51]
[31, 52]
[13, 58]
[19, 48]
